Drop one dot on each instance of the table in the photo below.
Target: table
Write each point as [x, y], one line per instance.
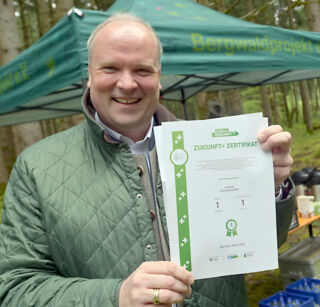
[305, 222]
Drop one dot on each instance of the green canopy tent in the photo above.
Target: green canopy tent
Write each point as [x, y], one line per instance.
[203, 50]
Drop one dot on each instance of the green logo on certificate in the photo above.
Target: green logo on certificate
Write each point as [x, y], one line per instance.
[231, 226]
[179, 157]
[223, 132]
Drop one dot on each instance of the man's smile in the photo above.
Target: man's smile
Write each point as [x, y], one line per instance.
[126, 100]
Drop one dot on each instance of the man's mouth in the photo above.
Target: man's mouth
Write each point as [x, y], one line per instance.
[127, 100]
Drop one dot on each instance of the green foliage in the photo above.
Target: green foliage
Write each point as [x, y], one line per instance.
[305, 149]
[251, 100]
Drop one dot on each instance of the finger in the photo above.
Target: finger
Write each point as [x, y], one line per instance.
[167, 282]
[282, 164]
[265, 133]
[277, 142]
[167, 296]
[281, 174]
[168, 268]
[282, 160]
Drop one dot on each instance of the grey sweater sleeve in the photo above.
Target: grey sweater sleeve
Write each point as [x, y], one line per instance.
[285, 209]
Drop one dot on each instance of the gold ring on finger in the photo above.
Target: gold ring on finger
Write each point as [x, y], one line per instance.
[156, 296]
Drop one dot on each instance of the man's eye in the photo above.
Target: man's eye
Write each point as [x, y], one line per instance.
[144, 71]
[109, 69]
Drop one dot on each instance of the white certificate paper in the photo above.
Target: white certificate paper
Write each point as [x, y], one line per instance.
[219, 195]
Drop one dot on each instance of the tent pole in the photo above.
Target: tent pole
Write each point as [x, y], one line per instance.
[183, 101]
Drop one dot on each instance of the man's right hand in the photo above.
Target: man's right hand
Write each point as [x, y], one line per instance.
[173, 281]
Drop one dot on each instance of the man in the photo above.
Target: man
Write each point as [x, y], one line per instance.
[83, 221]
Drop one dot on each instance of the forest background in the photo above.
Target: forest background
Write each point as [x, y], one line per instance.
[293, 105]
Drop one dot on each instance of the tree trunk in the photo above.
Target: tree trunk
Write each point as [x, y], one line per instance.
[220, 5]
[318, 89]
[235, 102]
[311, 92]
[98, 4]
[25, 135]
[290, 15]
[296, 100]
[313, 13]
[53, 18]
[316, 95]
[306, 105]
[11, 43]
[6, 145]
[8, 28]
[250, 6]
[292, 26]
[274, 105]
[24, 25]
[43, 16]
[93, 5]
[285, 104]
[4, 174]
[62, 7]
[265, 103]
[202, 102]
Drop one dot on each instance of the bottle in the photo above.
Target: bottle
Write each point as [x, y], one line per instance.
[306, 285]
[297, 303]
[282, 301]
[289, 302]
[274, 303]
[315, 287]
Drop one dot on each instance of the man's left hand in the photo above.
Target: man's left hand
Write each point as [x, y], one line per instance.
[278, 141]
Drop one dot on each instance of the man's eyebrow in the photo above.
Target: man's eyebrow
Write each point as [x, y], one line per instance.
[146, 65]
[107, 63]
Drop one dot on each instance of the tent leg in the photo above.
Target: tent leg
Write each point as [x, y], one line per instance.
[183, 101]
[185, 110]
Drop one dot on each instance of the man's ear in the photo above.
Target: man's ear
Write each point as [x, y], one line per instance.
[89, 80]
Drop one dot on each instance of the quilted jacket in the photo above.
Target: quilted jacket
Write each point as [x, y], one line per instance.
[76, 223]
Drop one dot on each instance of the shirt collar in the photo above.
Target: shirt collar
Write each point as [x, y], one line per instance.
[139, 147]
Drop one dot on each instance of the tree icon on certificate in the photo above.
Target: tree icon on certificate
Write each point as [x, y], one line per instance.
[231, 226]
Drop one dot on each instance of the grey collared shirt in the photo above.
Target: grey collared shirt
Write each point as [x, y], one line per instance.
[142, 147]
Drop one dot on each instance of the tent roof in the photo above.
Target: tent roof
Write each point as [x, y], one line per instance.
[203, 50]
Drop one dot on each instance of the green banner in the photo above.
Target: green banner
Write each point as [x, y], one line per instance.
[179, 158]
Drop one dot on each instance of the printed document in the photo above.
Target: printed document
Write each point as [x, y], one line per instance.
[219, 195]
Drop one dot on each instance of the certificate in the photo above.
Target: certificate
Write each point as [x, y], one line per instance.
[219, 195]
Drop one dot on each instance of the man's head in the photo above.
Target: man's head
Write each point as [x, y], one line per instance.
[126, 18]
[124, 74]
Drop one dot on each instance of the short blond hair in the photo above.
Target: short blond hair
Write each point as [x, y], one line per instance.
[124, 17]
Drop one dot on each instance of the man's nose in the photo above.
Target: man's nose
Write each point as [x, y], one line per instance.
[126, 81]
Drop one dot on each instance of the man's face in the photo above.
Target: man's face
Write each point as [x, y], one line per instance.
[124, 77]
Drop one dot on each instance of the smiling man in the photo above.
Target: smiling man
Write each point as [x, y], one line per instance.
[84, 221]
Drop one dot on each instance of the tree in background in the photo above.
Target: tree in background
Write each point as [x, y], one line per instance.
[26, 134]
